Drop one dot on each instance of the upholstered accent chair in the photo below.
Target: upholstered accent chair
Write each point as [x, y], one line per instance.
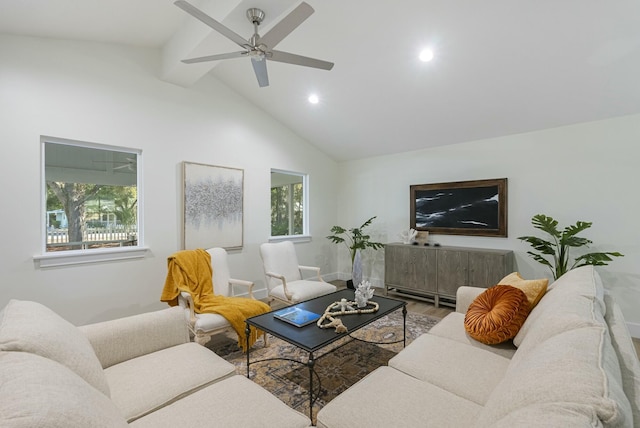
[203, 326]
[284, 275]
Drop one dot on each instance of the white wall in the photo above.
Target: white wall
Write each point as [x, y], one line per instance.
[583, 172]
[111, 95]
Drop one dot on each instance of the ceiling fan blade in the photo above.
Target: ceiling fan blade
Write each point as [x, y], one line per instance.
[203, 17]
[214, 57]
[290, 58]
[287, 25]
[260, 68]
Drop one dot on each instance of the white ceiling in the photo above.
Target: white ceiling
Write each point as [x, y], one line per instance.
[501, 67]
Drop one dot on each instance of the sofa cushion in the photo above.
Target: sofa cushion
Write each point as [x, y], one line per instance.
[302, 290]
[547, 415]
[452, 327]
[389, 398]
[143, 385]
[430, 358]
[559, 310]
[31, 327]
[584, 281]
[125, 338]
[232, 402]
[577, 368]
[497, 314]
[39, 392]
[626, 353]
[533, 288]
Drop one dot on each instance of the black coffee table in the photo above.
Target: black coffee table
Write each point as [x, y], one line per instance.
[311, 338]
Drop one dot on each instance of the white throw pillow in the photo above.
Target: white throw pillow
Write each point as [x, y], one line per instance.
[38, 392]
[31, 327]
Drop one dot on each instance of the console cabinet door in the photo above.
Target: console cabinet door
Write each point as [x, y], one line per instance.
[452, 271]
[410, 267]
[487, 269]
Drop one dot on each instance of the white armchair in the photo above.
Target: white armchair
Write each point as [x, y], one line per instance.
[284, 275]
[203, 326]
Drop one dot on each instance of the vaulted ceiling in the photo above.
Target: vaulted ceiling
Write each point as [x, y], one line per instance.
[500, 67]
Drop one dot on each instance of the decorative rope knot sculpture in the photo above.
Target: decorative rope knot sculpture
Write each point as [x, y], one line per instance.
[344, 307]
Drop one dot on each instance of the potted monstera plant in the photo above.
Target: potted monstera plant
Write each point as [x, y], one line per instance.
[354, 239]
[553, 252]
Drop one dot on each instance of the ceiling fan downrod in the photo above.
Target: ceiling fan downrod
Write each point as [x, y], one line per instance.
[256, 16]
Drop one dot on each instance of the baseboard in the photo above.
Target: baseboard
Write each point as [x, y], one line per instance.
[634, 329]
[328, 277]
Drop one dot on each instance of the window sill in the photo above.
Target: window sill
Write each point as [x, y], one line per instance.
[70, 258]
[292, 238]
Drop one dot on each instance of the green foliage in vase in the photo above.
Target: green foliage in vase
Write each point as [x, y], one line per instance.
[354, 239]
[554, 251]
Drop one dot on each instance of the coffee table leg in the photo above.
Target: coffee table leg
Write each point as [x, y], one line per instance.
[310, 364]
[247, 332]
[404, 326]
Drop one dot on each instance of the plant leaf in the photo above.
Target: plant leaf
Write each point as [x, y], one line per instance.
[540, 244]
[546, 224]
[540, 259]
[596, 259]
[335, 239]
[576, 228]
[367, 223]
[337, 230]
[569, 233]
[574, 241]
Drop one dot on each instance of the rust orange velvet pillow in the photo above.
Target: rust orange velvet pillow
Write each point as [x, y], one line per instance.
[497, 314]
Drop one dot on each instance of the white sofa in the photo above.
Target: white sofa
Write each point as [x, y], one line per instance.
[140, 371]
[572, 364]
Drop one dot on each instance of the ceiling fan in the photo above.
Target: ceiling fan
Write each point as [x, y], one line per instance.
[129, 164]
[258, 48]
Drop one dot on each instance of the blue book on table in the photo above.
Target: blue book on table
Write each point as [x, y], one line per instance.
[296, 316]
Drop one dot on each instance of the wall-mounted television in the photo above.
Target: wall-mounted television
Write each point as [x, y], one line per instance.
[477, 207]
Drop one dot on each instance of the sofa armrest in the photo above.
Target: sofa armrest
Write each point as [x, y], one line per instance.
[465, 296]
[122, 339]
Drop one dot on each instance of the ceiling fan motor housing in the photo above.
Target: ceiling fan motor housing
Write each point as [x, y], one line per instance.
[255, 15]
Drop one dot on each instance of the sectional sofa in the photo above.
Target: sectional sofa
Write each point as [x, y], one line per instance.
[140, 371]
[572, 364]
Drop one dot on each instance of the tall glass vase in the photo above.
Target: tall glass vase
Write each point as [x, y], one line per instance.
[356, 275]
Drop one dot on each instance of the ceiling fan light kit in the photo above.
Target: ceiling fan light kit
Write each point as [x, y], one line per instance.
[258, 48]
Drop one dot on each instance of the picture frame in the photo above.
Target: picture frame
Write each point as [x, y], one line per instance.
[476, 208]
[213, 206]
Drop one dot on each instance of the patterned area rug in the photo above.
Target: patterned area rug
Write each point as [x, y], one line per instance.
[338, 366]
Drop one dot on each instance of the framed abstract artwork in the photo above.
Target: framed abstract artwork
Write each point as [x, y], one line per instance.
[476, 207]
[213, 206]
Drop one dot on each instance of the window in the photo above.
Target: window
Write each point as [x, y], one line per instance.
[289, 206]
[91, 199]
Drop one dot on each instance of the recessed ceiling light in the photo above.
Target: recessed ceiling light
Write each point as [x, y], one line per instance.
[313, 99]
[426, 55]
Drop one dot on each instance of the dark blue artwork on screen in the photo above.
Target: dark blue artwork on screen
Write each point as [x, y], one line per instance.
[463, 208]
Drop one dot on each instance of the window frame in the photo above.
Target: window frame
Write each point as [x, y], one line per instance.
[305, 236]
[74, 257]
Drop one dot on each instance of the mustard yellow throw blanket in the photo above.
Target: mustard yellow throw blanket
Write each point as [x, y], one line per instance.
[191, 271]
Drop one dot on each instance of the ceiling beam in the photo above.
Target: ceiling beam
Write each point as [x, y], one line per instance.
[195, 39]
